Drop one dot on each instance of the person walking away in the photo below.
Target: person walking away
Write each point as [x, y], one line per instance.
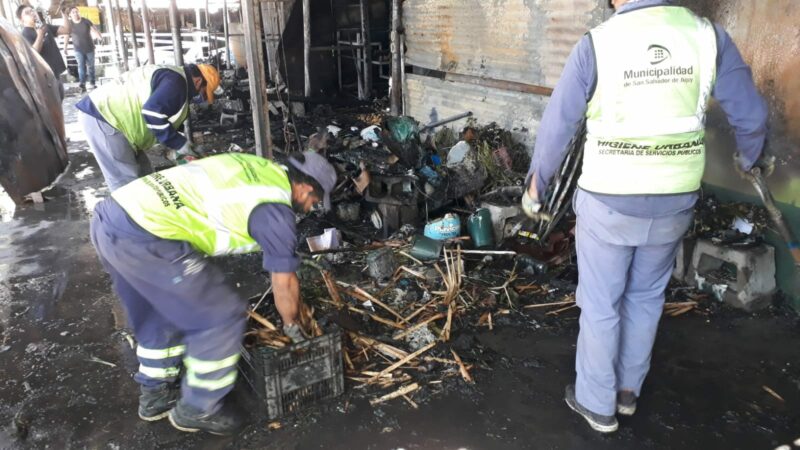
[146, 105]
[82, 35]
[642, 82]
[155, 237]
[41, 36]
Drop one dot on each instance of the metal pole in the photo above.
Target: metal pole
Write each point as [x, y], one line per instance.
[367, 54]
[396, 98]
[134, 42]
[177, 49]
[225, 20]
[121, 39]
[148, 38]
[112, 34]
[3, 9]
[258, 88]
[307, 45]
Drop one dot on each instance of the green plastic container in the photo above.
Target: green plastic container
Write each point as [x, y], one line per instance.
[426, 249]
[480, 228]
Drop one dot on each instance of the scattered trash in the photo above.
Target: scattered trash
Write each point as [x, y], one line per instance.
[381, 264]
[330, 239]
[457, 154]
[348, 212]
[371, 134]
[448, 227]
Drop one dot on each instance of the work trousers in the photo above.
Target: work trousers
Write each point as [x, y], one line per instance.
[188, 322]
[118, 161]
[85, 67]
[624, 265]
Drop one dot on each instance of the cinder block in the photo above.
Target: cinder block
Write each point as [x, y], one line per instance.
[741, 277]
[500, 214]
[683, 260]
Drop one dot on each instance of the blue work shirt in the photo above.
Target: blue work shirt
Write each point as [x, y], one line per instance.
[271, 225]
[734, 90]
[169, 92]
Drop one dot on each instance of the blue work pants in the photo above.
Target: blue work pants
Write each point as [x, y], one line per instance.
[183, 313]
[624, 264]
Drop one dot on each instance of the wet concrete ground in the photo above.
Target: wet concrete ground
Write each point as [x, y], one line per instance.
[66, 368]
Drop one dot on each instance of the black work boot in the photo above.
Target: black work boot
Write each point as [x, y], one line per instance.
[225, 422]
[598, 422]
[626, 403]
[155, 403]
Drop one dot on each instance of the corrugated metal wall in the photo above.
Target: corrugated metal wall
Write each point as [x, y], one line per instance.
[522, 41]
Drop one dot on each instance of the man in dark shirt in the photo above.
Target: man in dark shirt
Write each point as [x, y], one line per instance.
[83, 31]
[42, 38]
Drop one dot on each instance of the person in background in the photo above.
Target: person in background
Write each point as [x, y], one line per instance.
[125, 117]
[642, 81]
[41, 36]
[82, 35]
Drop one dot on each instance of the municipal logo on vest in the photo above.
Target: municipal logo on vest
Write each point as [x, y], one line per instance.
[658, 54]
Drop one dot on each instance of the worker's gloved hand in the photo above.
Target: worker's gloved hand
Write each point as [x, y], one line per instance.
[766, 164]
[295, 333]
[532, 207]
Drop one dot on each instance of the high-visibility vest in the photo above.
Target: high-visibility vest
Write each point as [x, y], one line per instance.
[656, 68]
[206, 202]
[120, 102]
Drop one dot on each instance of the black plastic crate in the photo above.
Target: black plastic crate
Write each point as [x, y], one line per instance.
[291, 379]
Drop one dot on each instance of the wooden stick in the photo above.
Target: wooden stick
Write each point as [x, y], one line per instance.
[372, 316]
[488, 252]
[543, 305]
[446, 330]
[551, 313]
[361, 294]
[393, 395]
[412, 272]
[417, 326]
[410, 402]
[772, 393]
[410, 257]
[461, 368]
[262, 320]
[386, 349]
[419, 310]
[332, 290]
[404, 360]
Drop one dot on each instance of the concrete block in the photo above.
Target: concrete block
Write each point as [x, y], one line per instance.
[683, 260]
[741, 277]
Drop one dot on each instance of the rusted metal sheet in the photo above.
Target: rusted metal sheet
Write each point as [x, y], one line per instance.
[33, 151]
[430, 99]
[525, 41]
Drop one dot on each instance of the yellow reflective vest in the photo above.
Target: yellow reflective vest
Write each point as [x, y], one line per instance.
[656, 68]
[206, 202]
[120, 102]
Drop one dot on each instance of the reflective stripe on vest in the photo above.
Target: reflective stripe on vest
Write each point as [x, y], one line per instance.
[207, 202]
[151, 353]
[121, 101]
[646, 120]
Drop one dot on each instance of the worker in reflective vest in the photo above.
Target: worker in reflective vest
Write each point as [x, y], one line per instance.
[154, 235]
[125, 117]
[642, 82]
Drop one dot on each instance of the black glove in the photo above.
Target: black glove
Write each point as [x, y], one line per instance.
[765, 163]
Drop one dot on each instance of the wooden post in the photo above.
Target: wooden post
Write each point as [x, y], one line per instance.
[396, 99]
[307, 45]
[258, 85]
[123, 50]
[134, 42]
[367, 53]
[148, 38]
[177, 48]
